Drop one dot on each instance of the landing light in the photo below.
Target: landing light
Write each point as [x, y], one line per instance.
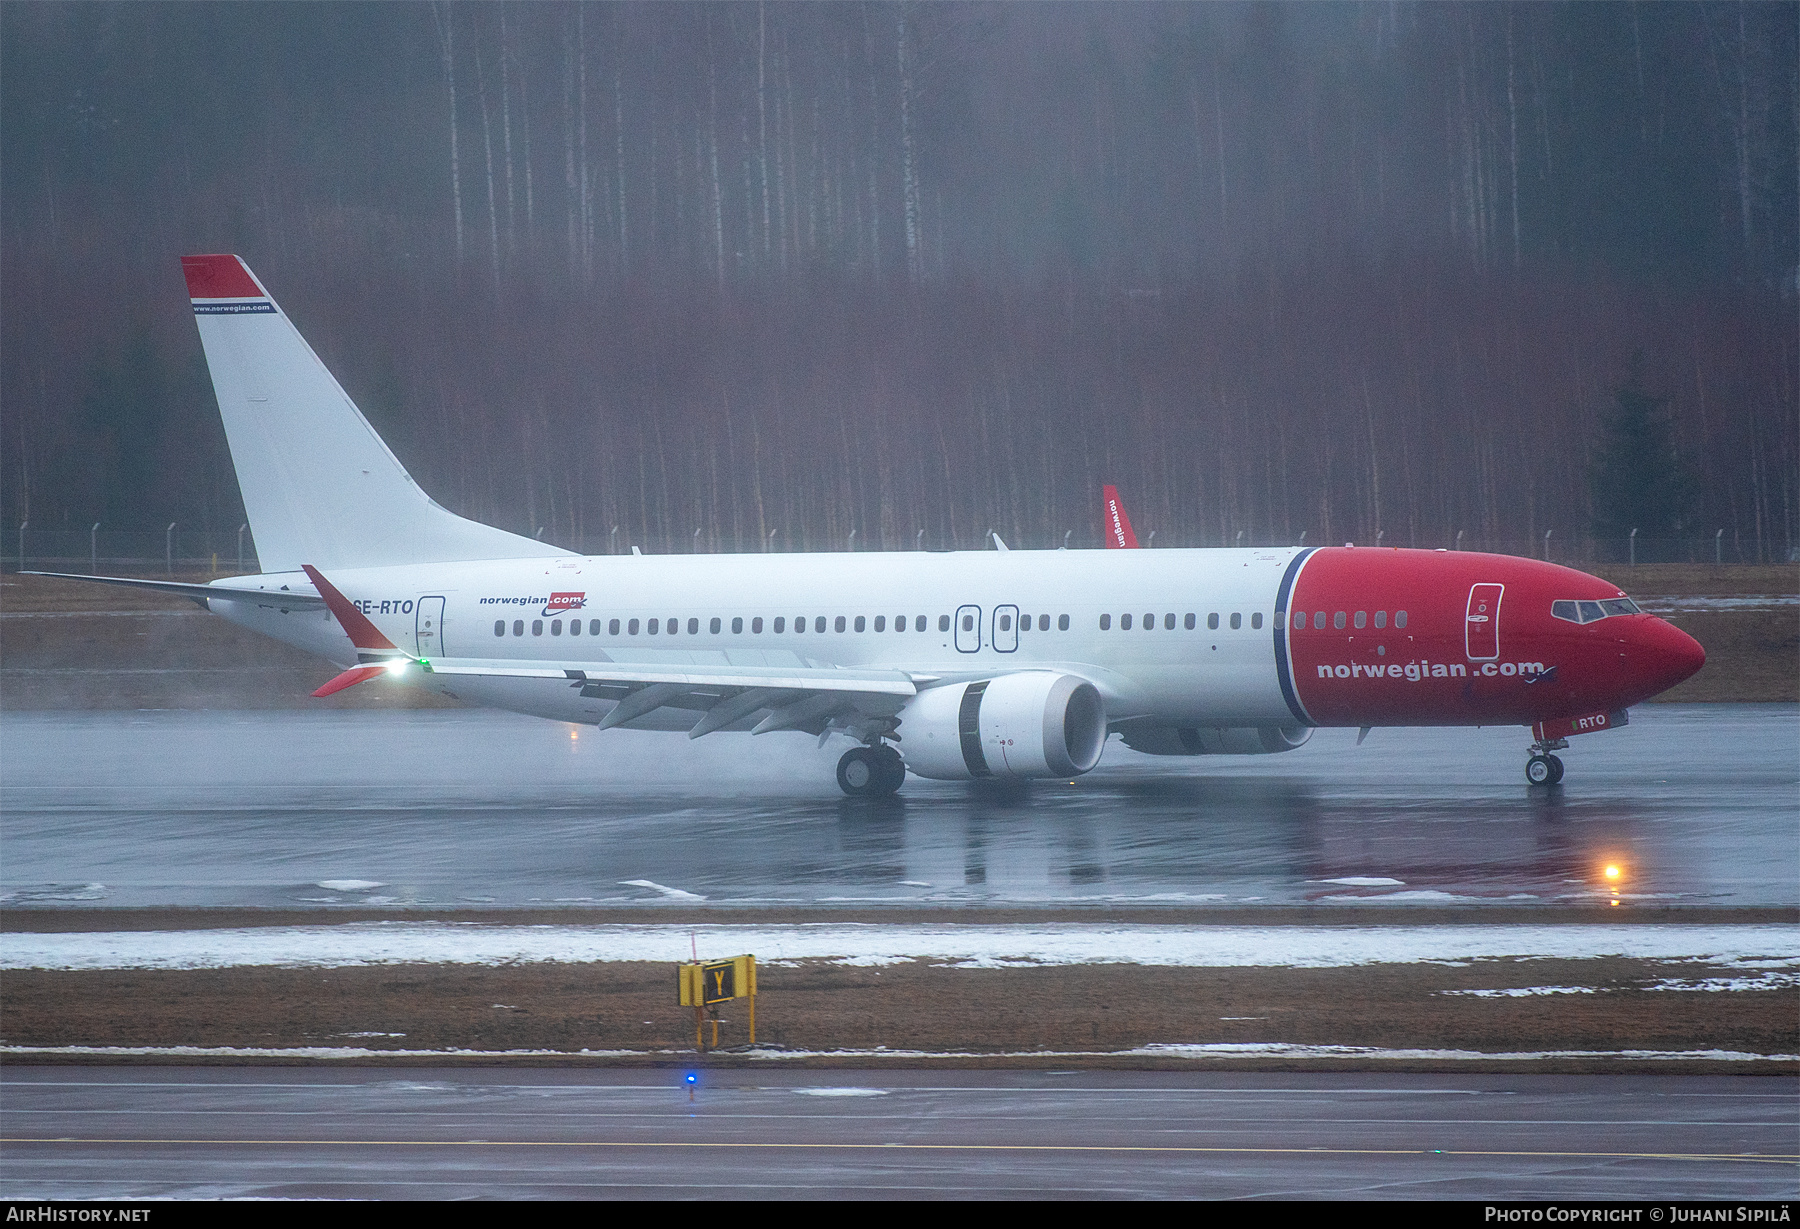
[396, 667]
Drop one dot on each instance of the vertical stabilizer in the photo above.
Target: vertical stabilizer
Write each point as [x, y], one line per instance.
[319, 485]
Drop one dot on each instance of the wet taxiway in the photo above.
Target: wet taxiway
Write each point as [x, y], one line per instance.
[193, 1133]
[1688, 805]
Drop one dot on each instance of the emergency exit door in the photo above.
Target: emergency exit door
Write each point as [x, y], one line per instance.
[968, 629]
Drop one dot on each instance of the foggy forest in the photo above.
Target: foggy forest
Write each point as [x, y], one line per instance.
[873, 276]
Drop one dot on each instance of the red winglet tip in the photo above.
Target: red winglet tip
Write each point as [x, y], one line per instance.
[349, 678]
[1118, 524]
[363, 634]
[219, 276]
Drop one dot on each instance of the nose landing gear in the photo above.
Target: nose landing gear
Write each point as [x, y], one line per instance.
[1543, 768]
[871, 772]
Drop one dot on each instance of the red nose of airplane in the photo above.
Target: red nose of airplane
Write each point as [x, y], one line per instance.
[1657, 655]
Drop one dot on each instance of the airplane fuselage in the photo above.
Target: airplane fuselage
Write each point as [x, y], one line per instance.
[1178, 638]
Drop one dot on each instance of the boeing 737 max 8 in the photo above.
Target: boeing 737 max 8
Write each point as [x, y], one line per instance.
[951, 665]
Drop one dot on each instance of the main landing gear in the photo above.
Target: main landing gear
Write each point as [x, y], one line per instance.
[1543, 768]
[871, 772]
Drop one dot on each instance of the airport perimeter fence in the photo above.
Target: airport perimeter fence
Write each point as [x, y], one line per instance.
[174, 549]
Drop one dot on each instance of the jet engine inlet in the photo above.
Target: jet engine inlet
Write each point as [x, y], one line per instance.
[1032, 724]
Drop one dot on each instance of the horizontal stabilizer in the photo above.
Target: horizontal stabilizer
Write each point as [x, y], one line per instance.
[234, 593]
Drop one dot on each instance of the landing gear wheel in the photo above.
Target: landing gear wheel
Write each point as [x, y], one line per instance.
[1539, 770]
[870, 772]
[1556, 769]
[893, 770]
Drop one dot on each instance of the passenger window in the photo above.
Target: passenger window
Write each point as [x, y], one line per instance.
[1005, 623]
[1168, 623]
[819, 623]
[594, 627]
[694, 627]
[574, 627]
[631, 628]
[1362, 619]
[1337, 620]
[537, 627]
[1043, 623]
[654, 626]
[1105, 623]
[737, 627]
[1399, 618]
[1319, 621]
[968, 622]
[612, 627]
[881, 623]
[1062, 623]
[756, 626]
[1124, 623]
[518, 627]
[556, 627]
[1212, 622]
[1381, 618]
[1189, 622]
[714, 626]
[499, 627]
[1237, 620]
[1280, 620]
[800, 626]
[861, 623]
[780, 626]
[1565, 610]
[838, 625]
[1299, 620]
[1256, 621]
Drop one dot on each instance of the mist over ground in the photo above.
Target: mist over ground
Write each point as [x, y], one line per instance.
[732, 276]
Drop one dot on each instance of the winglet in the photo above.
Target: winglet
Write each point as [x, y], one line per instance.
[349, 678]
[363, 634]
[1118, 524]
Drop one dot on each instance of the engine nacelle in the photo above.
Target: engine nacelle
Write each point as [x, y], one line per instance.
[1210, 740]
[1034, 724]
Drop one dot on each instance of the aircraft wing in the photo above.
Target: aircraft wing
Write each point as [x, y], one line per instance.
[795, 697]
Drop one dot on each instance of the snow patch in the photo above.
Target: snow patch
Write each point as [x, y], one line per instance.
[349, 885]
[973, 947]
[667, 892]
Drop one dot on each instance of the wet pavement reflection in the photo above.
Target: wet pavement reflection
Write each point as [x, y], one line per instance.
[1687, 805]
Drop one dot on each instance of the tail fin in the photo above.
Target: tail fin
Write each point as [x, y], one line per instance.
[1118, 525]
[319, 485]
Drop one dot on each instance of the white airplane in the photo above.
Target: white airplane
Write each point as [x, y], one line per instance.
[955, 666]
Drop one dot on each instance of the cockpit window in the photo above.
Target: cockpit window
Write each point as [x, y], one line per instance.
[1589, 612]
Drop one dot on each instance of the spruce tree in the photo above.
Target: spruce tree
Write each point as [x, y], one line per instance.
[1639, 478]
